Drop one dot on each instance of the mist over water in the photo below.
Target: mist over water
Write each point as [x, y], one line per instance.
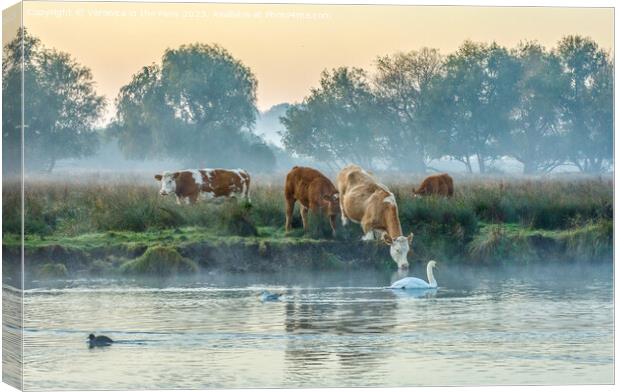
[544, 324]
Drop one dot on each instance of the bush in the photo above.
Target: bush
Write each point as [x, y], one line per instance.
[52, 271]
[593, 240]
[496, 244]
[235, 219]
[159, 261]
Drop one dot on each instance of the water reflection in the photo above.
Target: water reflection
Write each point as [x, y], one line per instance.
[417, 293]
[338, 329]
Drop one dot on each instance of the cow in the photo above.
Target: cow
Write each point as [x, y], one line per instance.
[205, 184]
[437, 184]
[371, 204]
[314, 192]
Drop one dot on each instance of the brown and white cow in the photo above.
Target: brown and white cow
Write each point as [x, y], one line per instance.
[313, 191]
[437, 184]
[205, 184]
[372, 205]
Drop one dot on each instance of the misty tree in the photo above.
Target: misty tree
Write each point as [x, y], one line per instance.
[61, 106]
[587, 102]
[337, 122]
[402, 83]
[198, 106]
[475, 101]
[144, 123]
[537, 138]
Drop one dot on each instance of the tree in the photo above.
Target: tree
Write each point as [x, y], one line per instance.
[402, 83]
[337, 122]
[587, 102]
[537, 139]
[473, 102]
[197, 106]
[61, 106]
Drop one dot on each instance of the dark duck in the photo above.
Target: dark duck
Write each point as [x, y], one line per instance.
[99, 341]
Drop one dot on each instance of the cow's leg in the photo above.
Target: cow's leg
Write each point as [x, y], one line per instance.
[369, 234]
[247, 191]
[290, 207]
[178, 199]
[343, 217]
[378, 234]
[332, 223]
[304, 215]
[192, 199]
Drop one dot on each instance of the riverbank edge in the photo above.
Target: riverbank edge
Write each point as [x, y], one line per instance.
[99, 254]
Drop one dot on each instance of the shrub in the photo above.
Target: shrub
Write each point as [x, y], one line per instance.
[235, 219]
[496, 244]
[52, 271]
[593, 240]
[159, 261]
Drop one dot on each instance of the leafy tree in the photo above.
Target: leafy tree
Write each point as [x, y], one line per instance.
[198, 106]
[587, 102]
[337, 122]
[473, 102]
[402, 83]
[537, 139]
[61, 106]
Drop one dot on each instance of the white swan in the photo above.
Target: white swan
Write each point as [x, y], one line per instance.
[416, 283]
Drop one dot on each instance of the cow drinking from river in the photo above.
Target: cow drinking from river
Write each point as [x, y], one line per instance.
[205, 184]
[372, 205]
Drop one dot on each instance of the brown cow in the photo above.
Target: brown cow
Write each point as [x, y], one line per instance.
[206, 184]
[372, 205]
[437, 184]
[313, 191]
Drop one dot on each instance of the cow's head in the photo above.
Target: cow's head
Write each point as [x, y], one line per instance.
[331, 204]
[399, 248]
[168, 182]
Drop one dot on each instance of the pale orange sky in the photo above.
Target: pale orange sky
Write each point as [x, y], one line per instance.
[287, 46]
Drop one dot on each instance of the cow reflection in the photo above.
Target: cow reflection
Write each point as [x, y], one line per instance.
[342, 330]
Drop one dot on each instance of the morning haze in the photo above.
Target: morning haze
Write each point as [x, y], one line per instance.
[287, 46]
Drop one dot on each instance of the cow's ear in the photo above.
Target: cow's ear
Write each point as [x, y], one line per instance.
[176, 175]
[158, 177]
[410, 238]
[387, 239]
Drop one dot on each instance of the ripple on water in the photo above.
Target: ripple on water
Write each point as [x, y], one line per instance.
[201, 335]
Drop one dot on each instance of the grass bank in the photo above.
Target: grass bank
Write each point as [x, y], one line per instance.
[101, 226]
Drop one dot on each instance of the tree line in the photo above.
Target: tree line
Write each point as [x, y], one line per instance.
[544, 108]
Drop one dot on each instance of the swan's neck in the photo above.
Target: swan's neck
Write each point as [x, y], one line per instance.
[429, 274]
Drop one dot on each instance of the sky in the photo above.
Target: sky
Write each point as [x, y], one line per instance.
[287, 46]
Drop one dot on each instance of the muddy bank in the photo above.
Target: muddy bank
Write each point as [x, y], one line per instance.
[244, 256]
[263, 255]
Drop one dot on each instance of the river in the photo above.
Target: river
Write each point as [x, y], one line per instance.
[542, 324]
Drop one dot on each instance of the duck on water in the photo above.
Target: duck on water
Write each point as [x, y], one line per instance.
[99, 341]
[266, 296]
[411, 283]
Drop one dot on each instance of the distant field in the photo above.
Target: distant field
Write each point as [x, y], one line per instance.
[489, 219]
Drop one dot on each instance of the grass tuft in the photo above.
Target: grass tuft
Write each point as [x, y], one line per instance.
[160, 261]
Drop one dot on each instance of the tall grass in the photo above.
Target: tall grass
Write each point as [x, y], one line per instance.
[69, 209]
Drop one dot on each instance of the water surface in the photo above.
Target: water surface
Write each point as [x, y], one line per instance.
[522, 325]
